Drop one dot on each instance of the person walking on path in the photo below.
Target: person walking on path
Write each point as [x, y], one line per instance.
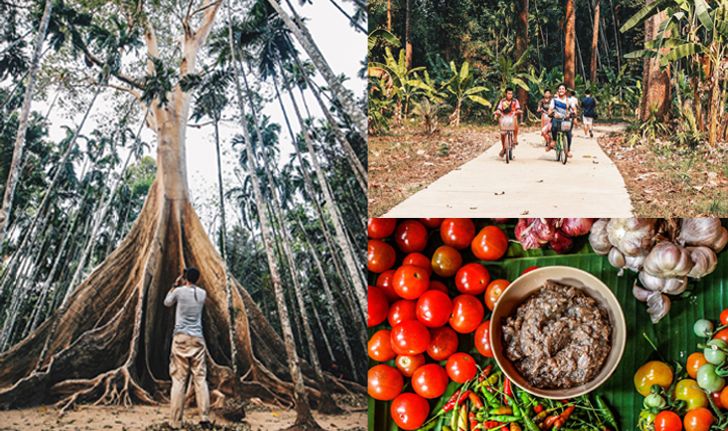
[589, 107]
[188, 347]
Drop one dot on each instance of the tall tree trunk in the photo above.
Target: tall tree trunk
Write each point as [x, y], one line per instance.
[407, 34]
[655, 82]
[521, 47]
[615, 26]
[14, 174]
[570, 44]
[344, 98]
[594, 44]
[389, 16]
[304, 417]
[716, 58]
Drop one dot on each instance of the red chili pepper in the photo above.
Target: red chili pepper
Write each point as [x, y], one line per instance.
[450, 404]
[563, 417]
[491, 424]
[538, 408]
[473, 421]
[475, 400]
[507, 389]
[484, 374]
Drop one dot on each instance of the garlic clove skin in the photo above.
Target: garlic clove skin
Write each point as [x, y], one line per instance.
[616, 258]
[705, 261]
[632, 236]
[705, 231]
[634, 263]
[640, 293]
[669, 286]
[598, 238]
[668, 260]
[658, 305]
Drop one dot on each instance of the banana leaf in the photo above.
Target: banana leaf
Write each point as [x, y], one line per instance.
[673, 335]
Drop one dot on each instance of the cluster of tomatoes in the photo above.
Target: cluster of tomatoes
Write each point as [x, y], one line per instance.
[416, 322]
[693, 395]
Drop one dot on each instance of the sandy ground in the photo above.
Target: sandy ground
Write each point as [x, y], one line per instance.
[534, 184]
[139, 417]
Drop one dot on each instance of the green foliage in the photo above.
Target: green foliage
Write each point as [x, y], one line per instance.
[159, 84]
[427, 112]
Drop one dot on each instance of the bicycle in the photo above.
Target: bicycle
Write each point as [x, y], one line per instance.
[507, 126]
[562, 150]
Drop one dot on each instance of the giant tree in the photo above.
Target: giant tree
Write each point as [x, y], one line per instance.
[570, 44]
[111, 340]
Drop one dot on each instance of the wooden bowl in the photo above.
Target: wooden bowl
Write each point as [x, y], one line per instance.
[526, 285]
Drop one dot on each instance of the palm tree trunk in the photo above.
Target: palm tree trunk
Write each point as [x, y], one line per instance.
[14, 173]
[344, 98]
[389, 16]
[304, 418]
[407, 33]
[595, 41]
[570, 44]
[521, 47]
[655, 82]
[322, 331]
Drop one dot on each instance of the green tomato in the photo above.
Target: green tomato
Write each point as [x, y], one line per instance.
[708, 379]
[703, 328]
[654, 401]
[714, 352]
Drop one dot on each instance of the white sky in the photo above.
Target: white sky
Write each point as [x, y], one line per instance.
[342, 46]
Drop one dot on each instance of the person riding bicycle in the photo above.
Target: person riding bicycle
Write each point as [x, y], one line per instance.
[543, 109]
[561, 108]
[508, 109]
[589, 104]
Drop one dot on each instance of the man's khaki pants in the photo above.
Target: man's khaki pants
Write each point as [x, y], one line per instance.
[188, 356]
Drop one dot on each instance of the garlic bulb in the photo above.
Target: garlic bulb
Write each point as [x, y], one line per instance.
[670, 286]
[640, 293]
[634, 263]
[616, 258]
[704, 259]
[658, 305]
[668, 260]
[598, 237]
[705, 231]
[633, 236]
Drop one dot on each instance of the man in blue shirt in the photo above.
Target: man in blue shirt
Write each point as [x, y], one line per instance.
[589, 105]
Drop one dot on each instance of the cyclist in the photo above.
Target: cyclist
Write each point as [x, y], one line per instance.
[590, 112]
[560, 109]
[543, 109]
[575, 103]
[508, 106]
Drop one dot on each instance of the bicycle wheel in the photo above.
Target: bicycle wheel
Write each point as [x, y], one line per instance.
[567, 148]
[559, 146]
[509, 139]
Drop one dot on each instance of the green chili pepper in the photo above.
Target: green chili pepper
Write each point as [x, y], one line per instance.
[606, 412]
[512, 402]
[530, 424]
[504, 418]
[490, 398]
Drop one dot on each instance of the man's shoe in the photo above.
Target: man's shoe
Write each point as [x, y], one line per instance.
[591, 134]
[206, 425]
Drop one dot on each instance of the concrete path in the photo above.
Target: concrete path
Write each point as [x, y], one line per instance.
[534, 184]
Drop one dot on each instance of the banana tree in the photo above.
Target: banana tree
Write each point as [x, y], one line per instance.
[462, 86]
[398, 81]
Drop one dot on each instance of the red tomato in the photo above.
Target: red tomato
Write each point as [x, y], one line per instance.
[724, 317]
[446, 261]
[432, 223]
[409, 411]
[667, 421]
[380, 256]
[467, 313]
[443, 343]
[377, 306]
[407, 364]
[410, 281]
[402, 310]
[482, 339]
[715, 396]
[493, 292]
[724, 397]
[490, 243]
[433, 308]
[410, 338]
[461, 367]
[529, 269]
[698, 419]
[411, 236]
[379, 228]
[379, 346]
[457, 232]
[384, 382]
[384, 282]
[438, 285]
[472, 278]
[429, 381]
[419, 260]
[722, 335]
